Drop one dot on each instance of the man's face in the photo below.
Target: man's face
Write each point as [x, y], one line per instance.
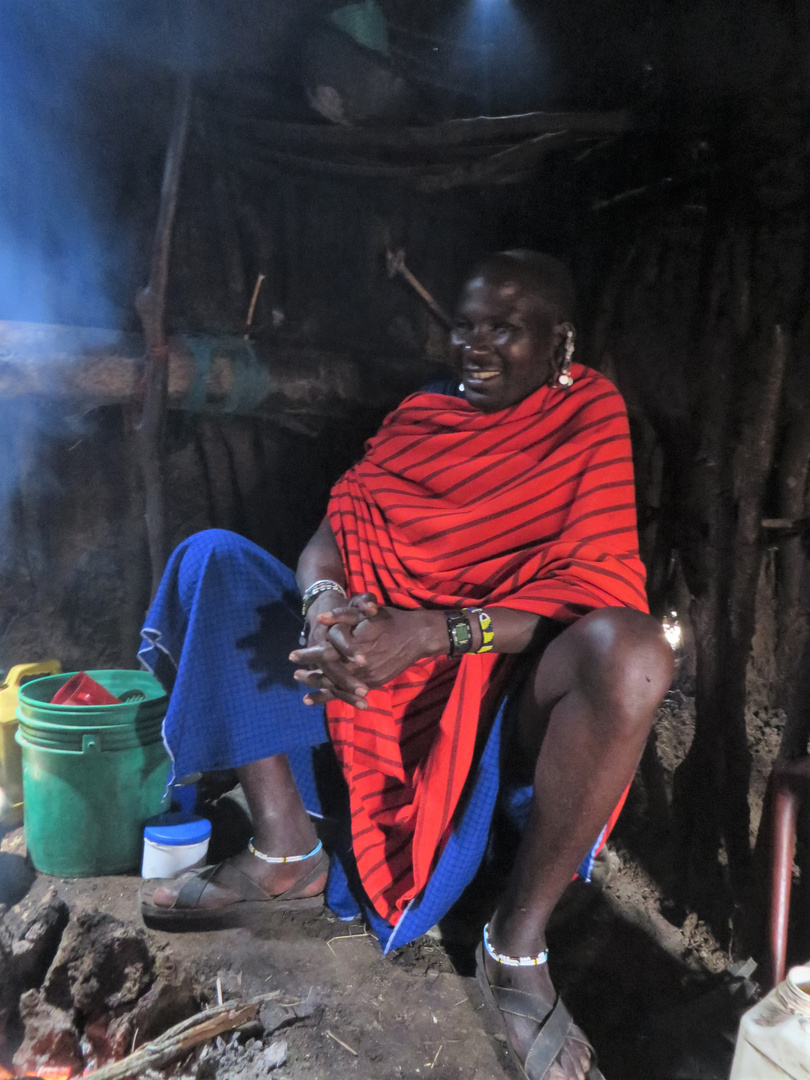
[503, 342]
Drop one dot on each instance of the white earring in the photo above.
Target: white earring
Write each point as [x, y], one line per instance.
[565, 379]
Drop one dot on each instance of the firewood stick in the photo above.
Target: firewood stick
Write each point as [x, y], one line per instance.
[181, 1038]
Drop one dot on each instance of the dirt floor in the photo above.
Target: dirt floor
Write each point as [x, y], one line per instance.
[655, 996]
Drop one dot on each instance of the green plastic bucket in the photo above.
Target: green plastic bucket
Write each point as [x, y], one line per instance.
[89, 789]
[34, 700]
[109, 736]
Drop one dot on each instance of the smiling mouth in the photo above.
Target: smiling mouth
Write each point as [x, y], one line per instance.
[476, 376]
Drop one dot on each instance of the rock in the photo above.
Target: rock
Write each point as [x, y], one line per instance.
[275, 1055]
[95, 1044]
[230, 1061]
[171, 998]
[36, 942]
[50, 1038]
[310, 1006]
[16, 877]
[273, 1016]
[103, 993]
[26, 951]
[8, 995]
[6, 937]
[102, 966]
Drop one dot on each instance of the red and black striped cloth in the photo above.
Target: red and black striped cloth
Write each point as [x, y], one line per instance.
[531, 508]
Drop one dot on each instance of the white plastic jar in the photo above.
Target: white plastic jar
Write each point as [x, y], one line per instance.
[173, 843]
[773, 1042]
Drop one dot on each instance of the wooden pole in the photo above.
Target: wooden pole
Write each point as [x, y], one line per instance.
[151, 306]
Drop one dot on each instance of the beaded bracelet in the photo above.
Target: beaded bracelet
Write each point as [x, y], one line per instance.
[487, 634]
[316, 588]
[514, 961]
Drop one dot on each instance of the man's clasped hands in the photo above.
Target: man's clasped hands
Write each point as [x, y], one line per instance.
[361, 644]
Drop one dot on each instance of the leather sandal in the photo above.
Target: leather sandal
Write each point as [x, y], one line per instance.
[253, 906]
[556, 1024]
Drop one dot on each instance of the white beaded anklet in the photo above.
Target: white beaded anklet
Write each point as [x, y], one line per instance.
[513, 961]
[276, 859]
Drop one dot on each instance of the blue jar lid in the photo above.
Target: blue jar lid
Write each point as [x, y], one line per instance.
[174, 830]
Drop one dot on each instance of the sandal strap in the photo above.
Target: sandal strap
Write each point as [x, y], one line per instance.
[231, 877]
[193, 887]
[224, 874]
[320, 867]
[556, 1024]
[550, 1040]
[522, 1003]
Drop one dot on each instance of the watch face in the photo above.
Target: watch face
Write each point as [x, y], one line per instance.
[461, 636]
[458, 627]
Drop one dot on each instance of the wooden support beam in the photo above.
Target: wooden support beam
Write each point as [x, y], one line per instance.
[85, 367]
[476, 129]
[510, 164]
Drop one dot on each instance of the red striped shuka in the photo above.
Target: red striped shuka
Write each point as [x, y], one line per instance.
[532, 508]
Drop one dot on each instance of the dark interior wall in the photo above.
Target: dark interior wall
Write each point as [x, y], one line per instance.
[688, 235]
[718, 87]
[71, 564]
[72, 559]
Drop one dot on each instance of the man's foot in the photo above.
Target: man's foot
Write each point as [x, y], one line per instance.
[272, 879]
[238, 892]
[534, 1019]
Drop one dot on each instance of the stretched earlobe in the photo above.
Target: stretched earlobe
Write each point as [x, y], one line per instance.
[565, 379]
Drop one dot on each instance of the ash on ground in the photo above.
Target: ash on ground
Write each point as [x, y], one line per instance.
[232, 1060]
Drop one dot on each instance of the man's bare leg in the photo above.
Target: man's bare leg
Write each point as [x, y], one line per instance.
[589, 706]
[281, 827]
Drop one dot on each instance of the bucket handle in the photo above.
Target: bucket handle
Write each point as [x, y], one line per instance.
[90, 744]
[27, 671]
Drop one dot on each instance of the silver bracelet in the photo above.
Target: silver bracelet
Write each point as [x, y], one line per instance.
[315, 589]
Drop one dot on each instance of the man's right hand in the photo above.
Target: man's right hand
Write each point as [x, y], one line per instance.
[325, 670]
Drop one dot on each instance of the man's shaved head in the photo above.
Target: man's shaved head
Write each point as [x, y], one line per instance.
[541, 273]
[512, 324]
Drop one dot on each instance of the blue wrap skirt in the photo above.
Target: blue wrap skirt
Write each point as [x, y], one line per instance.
[218, 635]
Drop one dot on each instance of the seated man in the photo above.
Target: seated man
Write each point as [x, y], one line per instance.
[474, 609]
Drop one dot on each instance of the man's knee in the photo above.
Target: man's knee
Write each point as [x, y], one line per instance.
[224, 560]
[622, 656]
[202, 545]
[221, 547]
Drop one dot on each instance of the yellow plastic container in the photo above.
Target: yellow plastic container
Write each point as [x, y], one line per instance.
[10, 758]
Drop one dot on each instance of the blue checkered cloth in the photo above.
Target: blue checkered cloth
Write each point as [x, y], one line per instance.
[218, 636]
